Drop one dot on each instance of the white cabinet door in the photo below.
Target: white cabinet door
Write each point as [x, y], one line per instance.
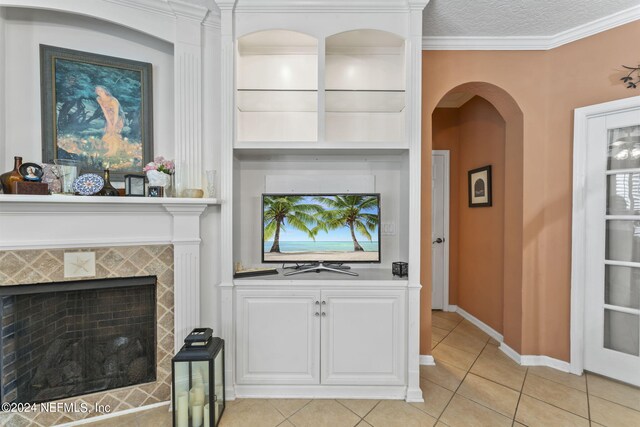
[363, 340]
[278, 336]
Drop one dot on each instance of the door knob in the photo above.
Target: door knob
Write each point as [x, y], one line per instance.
[438, 240]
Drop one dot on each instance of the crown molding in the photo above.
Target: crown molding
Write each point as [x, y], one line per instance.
[212, 20]
[533, 42]
[150, 6]
[355, 6]
[187, 10]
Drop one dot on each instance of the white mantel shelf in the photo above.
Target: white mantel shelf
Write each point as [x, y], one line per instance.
[24, 198]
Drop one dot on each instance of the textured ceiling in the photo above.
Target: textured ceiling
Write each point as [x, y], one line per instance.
[508, 18]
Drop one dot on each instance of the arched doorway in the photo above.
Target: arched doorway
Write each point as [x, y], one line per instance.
[483, 107]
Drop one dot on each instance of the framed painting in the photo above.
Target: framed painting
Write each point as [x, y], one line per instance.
[96, 110]
[480, 187]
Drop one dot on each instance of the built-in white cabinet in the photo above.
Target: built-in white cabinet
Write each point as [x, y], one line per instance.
[362, 337]
[278, 336]
[321, 96]
[329, 337]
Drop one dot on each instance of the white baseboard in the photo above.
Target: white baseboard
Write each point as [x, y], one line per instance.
[511, 353]
[114, 414]
[524, 360]
[550, 362]
[480, 324]
[321, 392]
[427, 360]
[414, 396]
[452, 308]
[528, 360]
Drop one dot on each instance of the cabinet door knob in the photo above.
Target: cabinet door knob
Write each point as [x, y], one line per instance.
[316, 314]
[324, 314]
[317, 303]
[324, 302]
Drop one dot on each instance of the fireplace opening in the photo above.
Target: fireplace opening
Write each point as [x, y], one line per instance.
[65, 339]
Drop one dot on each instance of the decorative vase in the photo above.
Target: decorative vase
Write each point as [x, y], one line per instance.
[108, 189]
[8, 178]
[160, 179]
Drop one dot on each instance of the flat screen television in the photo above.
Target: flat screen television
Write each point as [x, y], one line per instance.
[321, 228]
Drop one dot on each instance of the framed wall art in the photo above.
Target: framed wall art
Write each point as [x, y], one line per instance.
[480, 187]
[96, 110]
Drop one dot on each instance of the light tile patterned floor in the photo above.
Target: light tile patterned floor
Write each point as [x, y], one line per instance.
[473, 384]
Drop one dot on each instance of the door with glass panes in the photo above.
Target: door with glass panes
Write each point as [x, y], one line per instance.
[612, 246]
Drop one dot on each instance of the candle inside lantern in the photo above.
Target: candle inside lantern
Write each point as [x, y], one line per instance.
[196, 419]
[183, 410]
[206, 415]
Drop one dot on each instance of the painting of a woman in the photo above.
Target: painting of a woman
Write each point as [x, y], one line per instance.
[114, 120]
[97, 110]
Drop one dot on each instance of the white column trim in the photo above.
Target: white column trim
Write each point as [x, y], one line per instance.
[414, 136]
[186, 267]
[227, 129]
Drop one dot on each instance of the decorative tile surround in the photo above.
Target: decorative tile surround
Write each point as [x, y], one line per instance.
[45, 266]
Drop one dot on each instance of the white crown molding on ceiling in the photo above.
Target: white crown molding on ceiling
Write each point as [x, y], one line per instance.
[355, 6]
[533, 42]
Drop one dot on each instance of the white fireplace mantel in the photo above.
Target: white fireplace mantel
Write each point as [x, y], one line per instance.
[46, 222]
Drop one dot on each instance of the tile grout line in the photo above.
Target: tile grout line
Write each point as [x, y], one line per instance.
[459, 385]
[352, 411]
[295, 412]
[558, 382]
[515, 414]
[609, 400]
[586, 384]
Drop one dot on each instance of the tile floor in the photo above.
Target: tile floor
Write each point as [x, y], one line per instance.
[473, 384]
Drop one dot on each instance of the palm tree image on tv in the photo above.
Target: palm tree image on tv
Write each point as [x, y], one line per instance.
[292, 209]
[334, 228]
[351, 212]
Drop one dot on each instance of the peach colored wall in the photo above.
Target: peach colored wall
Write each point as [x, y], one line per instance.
[481, 241]
[547, 86]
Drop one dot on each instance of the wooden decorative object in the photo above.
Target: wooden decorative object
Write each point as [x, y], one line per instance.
[34, 188]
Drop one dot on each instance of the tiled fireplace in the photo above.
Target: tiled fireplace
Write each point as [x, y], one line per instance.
[26, 269]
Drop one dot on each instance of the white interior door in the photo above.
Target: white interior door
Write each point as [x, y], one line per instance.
[440, 230]
[612, 246]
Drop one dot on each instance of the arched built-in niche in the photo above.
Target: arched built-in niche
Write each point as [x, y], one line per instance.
[365, 86]
[277, 86]
[509, 110]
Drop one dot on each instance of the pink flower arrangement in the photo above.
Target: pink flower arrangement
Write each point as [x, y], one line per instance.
[160, 164]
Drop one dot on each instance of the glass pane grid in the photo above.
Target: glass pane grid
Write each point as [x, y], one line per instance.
[622, 332]
[622, 241]
[622, 287]
[623, 194]
[623, 148]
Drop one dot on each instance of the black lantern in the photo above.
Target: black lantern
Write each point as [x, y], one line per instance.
[198, 380]
[400, 269]
[134, 185]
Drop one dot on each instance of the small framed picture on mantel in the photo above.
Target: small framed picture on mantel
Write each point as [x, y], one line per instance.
[480, 187]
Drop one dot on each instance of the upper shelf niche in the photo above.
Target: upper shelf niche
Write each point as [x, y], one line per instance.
[277, 87]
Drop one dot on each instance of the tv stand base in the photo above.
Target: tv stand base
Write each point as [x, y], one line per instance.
[317, 267]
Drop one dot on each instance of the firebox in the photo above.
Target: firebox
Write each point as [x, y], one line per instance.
[65, 339]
